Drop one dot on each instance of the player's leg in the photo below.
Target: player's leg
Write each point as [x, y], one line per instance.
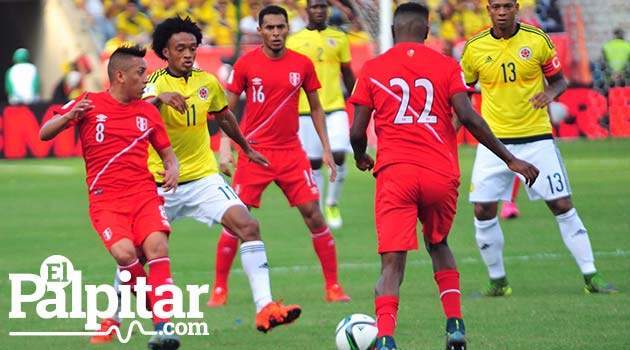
[509, 210]
[491, 181]
[295, 180]
[438, 203]
[338, 135]
[313, 148]
[395, 213]
[556, 191]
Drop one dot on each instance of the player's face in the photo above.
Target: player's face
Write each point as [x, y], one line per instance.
[317, 12]
[274, 31]
[181, 52]
[502, 13]
[135, 78]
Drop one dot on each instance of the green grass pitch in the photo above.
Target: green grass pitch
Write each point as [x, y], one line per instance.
[43, 211]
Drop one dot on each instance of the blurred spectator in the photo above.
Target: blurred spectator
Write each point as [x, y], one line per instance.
[550, 16]
[22, 80]
[450, 29]
[71, 84]
[617, 56]
[222, 31]
[356, 35]
[249, 24]
[297, 14]
[473, 17]
[201, 12]
[135, 24]
[527, 14]
[117, 41]
[163, 9]
[95, 13]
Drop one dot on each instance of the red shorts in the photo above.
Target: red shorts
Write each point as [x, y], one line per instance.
[133, 217]
[406, 193]
[290, 169]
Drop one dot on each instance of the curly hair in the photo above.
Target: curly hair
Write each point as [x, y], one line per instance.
[170, 26]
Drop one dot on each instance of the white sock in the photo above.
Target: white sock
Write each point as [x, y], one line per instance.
[117, 283]
[576, 239]
[319, 181]
[254, 261]
[334, 189]
[490, 243]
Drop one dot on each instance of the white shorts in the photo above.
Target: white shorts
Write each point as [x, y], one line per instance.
[492, 180]
[205, 200]
[338, 134]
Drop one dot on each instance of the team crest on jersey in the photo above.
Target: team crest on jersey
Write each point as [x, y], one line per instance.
[294, 78]
[525, 53]
[203, 93]
[107, 234]
[332, 42]
[142, 123]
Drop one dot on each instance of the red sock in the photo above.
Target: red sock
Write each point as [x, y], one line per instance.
[160, 274]
[324, 245]
[450, 295]
[517, 185]
[386, 314]
[136, 270]
[226, 251]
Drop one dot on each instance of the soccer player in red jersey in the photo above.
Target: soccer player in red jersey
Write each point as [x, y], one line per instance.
[116, 128]
[411, 89]
[272, 77]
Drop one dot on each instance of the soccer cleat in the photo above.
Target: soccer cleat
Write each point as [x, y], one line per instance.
[333, 217]
[218, 297]
[275, 314]
[595, 283]
[385, 343]
[455, 334]
[163, 342]
[105, 327]
[509, 211]
[335, 294]
[496, 288]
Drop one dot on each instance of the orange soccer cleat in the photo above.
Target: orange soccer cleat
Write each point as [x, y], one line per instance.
[218, 297]
[275, 314]
[105, 327]
[335, 294]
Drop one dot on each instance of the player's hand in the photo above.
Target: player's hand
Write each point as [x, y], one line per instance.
[175, 100]
[529, 171]
[365, 163]
[226, 158]
[80, 108]
[328, 159]
[541, 100]
[171, 176]
[256, 157]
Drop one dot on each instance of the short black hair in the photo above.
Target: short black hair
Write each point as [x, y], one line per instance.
[412, 8]
[119, 57]
[272, 10]
[163, 32]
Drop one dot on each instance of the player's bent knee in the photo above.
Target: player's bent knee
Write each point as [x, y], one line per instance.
[560, 206]
[485, 211]
[123, 252]
[249, 230]
[155, 245]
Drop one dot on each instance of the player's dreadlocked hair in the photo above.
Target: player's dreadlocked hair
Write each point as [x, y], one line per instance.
[170, 26]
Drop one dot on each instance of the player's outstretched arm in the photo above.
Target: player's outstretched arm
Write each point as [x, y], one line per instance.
[59, 122]
[479, 128]
[319, 122]
[173, 99]
[358, 137]
[171, 169]
[229, 127]
[557, 85]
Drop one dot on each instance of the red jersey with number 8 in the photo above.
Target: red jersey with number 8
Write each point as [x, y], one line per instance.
[409, 87]
[115, 140]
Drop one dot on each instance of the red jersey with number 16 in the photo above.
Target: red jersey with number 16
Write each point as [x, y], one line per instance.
[115, 141]
[409, 87]
[272, 88]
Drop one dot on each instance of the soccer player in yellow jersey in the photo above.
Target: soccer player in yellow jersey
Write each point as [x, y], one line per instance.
[329, 50]
[185, 96]
[520, 75]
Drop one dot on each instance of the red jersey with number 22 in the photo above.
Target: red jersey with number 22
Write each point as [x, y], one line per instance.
[115, 140]
[409, 87]
[272, 88]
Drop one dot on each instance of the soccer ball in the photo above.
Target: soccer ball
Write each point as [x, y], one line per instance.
[356, 332]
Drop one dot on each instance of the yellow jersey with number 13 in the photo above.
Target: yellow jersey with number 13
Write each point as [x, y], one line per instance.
[510, 72]
[188, 131]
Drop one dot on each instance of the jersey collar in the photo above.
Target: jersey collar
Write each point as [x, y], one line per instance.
[518, 27]
[177, 76]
